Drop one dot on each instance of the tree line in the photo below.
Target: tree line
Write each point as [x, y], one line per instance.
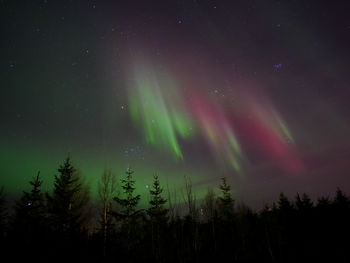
[57, 225]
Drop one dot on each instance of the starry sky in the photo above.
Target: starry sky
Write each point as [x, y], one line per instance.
[257, 91]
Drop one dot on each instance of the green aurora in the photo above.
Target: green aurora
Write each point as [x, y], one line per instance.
[33, 159]
[255, 91]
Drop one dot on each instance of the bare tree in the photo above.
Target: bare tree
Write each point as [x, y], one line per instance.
[210, 211]
[172, 203]
[107, 189]
[209, 204]
[190, 199]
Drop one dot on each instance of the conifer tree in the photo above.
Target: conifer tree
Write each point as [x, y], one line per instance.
[226, 202]
[303, 203]
[324, 203]
[29, 223]
[227, 223]
[129, 202]
[341, 207]
[30, 211]
[128, 213]
[341, 200]
[285, 210]
[284, 205]
[69, 200]
[158, 216]
[157, 212]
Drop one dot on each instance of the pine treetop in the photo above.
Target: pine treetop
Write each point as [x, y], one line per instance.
[68, 202]
[156, 199]
[31, 206]
[130, 201]
[284, 203]
[156, 210]
[225, 188]
[303, 202]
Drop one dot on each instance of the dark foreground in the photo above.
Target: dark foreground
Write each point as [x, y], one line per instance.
[61, 226]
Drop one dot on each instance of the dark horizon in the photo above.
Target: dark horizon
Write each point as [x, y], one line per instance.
[64, 224]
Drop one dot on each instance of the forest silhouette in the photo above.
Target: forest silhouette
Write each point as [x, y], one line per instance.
[63, 225]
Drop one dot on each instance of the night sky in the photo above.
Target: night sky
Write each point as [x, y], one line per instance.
[257, 91]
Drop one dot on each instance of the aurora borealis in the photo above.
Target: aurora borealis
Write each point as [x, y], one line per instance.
[257, 91]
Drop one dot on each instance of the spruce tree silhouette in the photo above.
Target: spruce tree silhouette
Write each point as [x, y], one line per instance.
[69, 199]
[68, 209]
[30, 210]
[128, 214]
[226, 202]
[286, 231]
[227, 227]
[284, 205]
[29, 223]
[158, 216]
[157, 211]
[130, 201]
[303, 203]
